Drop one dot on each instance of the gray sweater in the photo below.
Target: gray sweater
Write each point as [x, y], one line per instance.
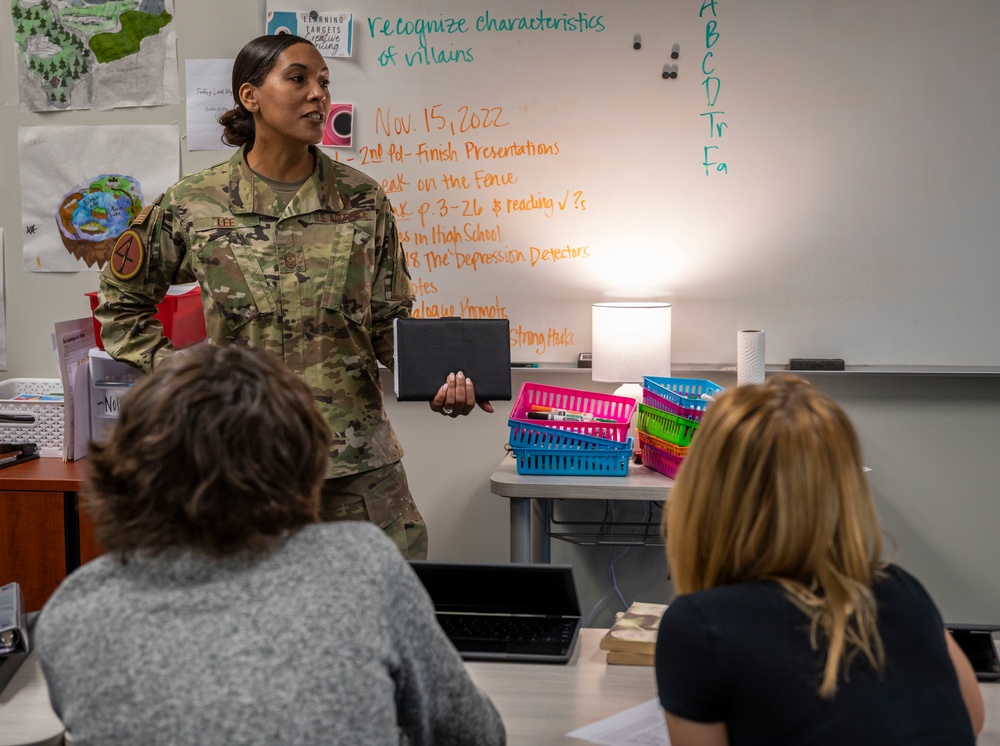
[330, 639]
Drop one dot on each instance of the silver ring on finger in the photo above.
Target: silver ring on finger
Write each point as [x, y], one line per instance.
[447, 410]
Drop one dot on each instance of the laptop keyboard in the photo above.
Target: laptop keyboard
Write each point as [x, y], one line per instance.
[507, 629]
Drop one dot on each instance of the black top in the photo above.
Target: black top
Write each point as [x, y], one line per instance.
[741, 654]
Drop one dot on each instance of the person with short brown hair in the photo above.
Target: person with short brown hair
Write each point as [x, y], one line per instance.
[788, 627]
[223, 612]
[222, 453]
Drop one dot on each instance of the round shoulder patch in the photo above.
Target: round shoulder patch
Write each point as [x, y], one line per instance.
[128, 256]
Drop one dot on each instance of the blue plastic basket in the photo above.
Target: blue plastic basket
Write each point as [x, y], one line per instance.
[681, 396]
[574, 461]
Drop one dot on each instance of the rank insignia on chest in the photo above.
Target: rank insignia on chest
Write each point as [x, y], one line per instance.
[141, 217]
[128, 255]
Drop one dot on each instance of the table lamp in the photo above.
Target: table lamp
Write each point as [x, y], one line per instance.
[630, 340]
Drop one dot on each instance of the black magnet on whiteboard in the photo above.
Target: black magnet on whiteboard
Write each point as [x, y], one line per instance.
[675, 52]
[637, 42]
[669, 72]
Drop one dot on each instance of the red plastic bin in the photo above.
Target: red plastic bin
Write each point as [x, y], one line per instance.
[181, 315]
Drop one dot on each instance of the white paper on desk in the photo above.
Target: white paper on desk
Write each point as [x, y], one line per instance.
[642, 725]
[81, 411]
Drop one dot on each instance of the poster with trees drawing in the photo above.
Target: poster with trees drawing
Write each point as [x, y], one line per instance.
[94, 54]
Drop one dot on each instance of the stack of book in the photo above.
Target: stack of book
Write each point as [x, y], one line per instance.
[631, 640]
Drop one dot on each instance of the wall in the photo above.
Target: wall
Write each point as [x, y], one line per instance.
[851, 235]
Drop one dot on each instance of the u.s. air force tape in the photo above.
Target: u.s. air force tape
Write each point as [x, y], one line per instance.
[128, 255]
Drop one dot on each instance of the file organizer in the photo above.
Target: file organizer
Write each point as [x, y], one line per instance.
[25, 421]
[573, 448]
[669, 416]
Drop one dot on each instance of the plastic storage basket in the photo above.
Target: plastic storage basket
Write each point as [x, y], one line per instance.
[541, 436]
[548, 450]
[666, 426]
[680, 396]
[26, 421]
[575, 462]
[618, 409]
[659, 455]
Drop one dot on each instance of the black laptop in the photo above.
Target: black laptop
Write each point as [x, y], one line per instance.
[976, 641]
[505, 612]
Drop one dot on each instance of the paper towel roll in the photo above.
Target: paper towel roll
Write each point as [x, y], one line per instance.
[749, 357]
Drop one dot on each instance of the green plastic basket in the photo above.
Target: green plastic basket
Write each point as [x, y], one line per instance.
[666, 426]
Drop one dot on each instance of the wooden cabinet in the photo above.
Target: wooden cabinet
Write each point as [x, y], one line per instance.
[89, 548]
[32, 543]
[40, 527]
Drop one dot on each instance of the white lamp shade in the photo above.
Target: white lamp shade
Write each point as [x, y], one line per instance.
[630, 340]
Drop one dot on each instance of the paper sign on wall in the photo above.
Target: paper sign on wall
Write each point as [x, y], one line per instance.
[209, 95]
[81, 187]
[330, 32]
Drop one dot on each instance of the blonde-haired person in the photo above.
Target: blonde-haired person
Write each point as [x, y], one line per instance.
[788, 627]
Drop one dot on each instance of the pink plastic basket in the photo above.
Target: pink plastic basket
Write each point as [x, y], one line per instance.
[535, 435]
[651, 399]
[659, 455]
[618, 409]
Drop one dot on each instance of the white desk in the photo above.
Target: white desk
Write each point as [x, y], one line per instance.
[26, 717]
[527, 493]
[539, 703]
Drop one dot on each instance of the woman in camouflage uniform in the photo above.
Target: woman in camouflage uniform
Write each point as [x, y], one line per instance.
[296, 254]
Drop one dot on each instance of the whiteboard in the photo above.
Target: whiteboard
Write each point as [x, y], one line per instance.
[824, 171]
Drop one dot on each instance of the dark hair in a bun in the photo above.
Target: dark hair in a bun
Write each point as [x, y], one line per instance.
[252, 65]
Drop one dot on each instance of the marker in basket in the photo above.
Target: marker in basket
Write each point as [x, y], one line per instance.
[557, 410]
[568, 417]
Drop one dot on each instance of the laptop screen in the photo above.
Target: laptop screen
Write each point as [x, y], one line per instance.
[499, 588]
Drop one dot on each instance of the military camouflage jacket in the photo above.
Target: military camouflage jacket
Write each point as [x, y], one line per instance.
[318, 283]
